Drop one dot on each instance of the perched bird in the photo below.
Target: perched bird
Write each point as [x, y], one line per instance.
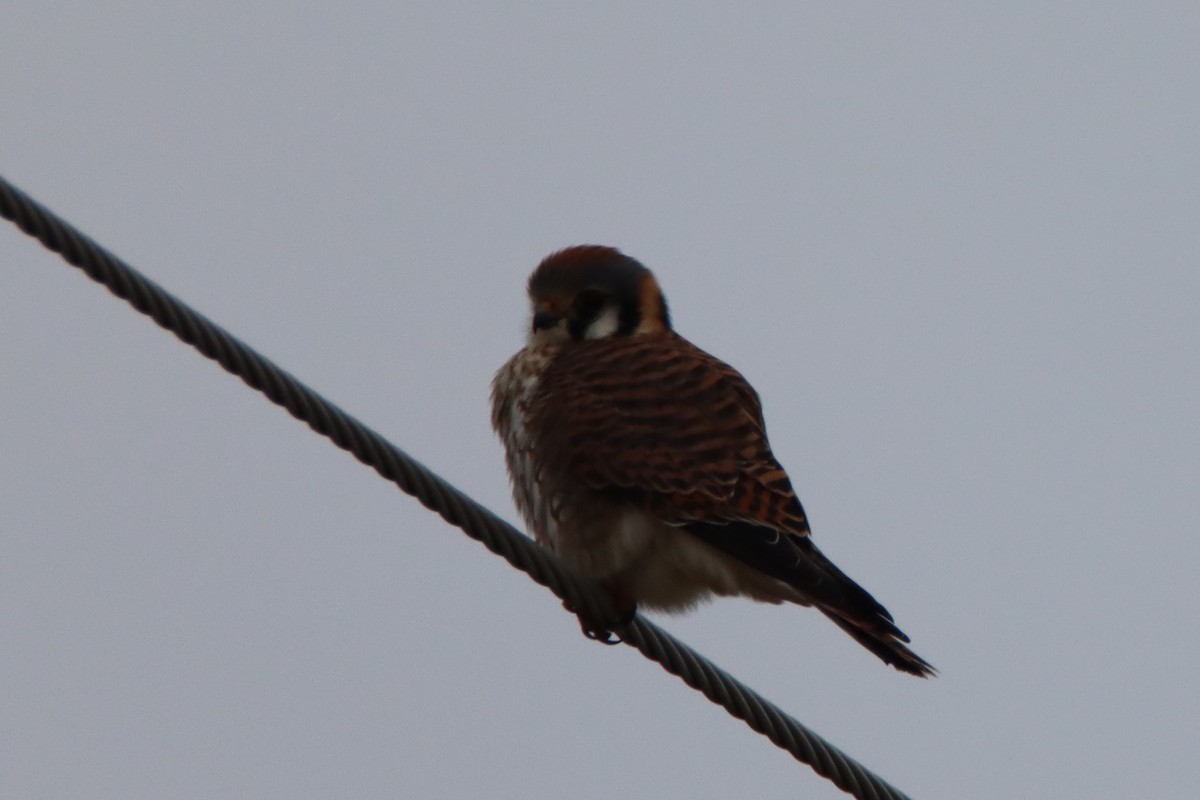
[643, 461]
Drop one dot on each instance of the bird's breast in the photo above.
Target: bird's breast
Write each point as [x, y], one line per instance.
[514, 391]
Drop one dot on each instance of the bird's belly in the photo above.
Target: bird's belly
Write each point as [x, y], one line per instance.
[658, 566]
[598, 539]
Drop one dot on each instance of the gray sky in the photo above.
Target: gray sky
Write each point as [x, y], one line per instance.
[954, 248]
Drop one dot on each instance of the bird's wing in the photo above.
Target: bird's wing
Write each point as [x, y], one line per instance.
[677, 429]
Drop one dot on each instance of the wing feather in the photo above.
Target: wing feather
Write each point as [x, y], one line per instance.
[661, 419]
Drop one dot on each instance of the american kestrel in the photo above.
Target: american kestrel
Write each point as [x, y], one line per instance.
[643, 461]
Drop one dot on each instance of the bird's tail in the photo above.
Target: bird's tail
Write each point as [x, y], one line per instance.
[888, 646]
[794, 560]
[854, 610]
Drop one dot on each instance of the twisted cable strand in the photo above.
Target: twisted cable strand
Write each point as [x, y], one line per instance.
[435, 493]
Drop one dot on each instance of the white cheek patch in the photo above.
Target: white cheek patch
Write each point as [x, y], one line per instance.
[604, 325]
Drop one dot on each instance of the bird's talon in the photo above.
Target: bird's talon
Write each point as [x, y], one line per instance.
[599, 633]
[603, 637]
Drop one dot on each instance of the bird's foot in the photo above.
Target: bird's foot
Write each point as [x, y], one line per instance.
[601, 636]
[601, 631]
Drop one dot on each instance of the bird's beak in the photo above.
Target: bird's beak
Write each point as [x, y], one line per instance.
[544, 319]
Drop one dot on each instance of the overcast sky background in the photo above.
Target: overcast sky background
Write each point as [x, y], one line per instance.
[955, 248]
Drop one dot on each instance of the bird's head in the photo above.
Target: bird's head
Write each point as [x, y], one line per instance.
[594, 292]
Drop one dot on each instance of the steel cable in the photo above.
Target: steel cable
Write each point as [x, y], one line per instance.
[436, 494]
